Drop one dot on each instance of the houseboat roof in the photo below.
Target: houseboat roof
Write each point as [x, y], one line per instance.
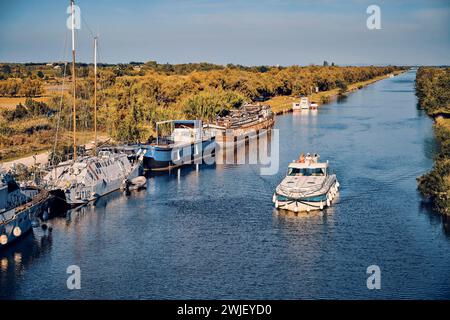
[180, 122]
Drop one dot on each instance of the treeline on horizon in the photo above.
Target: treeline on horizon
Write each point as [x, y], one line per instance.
[433, 93]
[132, 97]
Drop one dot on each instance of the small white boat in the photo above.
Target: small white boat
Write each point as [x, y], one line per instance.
[137, 183]
[302, 105]
[307, 186]
[313, 105]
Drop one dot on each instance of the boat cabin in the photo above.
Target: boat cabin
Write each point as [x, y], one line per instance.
[302, 104]
[307, 169]
[181, 131]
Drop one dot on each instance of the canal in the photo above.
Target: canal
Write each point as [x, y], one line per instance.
[213, 233]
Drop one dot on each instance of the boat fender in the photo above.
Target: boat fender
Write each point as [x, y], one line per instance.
[3, 239]
[328, 202]
[337, 184]
[308, 209]
[276, 204]
[274, 198]
[17, 232]
[321, 205]
[296, 207]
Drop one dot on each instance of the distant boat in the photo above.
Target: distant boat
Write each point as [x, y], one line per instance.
[187, 143]
[303, 104]
[308, 185]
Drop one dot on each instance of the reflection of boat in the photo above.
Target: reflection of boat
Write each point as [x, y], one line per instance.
[238, 125]
[18, 209]
[187, 143]
[307, 186]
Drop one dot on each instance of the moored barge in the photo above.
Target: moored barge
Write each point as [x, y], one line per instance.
[235, 126]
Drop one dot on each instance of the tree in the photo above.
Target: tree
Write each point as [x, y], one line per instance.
[325, 63]
[342, 85]
[207, 105]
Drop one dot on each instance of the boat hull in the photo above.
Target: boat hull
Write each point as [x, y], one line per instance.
[84, 195]
[308, 203]
[21, 222]
[234, 137]
[160, 158]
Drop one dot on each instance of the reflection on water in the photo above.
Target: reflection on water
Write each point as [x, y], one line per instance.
[17, 258]
[341, 98]
[212, 231]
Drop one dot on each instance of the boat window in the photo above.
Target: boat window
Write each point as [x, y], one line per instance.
[306, 172]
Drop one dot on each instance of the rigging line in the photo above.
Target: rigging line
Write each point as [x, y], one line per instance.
[64, 55]
[101, 79]
[87, 26]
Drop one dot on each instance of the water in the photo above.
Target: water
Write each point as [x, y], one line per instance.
[214, 233]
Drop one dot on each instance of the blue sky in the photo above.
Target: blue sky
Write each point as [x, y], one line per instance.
[250, 32]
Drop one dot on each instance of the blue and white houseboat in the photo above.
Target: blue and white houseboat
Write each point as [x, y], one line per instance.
[187, 142]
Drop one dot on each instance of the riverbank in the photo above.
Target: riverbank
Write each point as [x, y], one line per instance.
[283, 104]
[434, 97]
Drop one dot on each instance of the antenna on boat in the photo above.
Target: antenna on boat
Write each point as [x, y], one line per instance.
[95, 95]
[74, 110]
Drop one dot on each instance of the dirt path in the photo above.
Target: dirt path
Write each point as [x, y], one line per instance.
[41, 158]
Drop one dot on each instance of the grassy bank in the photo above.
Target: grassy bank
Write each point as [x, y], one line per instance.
[433, 92]
[282, 104]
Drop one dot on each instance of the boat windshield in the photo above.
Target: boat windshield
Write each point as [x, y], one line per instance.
[306, 172]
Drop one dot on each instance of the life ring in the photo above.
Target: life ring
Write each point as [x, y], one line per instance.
[3, 239]
[17, 232]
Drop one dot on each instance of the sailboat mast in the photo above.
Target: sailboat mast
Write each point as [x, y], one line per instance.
[74, 110]
[95, 95]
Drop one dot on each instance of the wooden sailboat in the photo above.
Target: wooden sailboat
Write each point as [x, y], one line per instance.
[86, 178]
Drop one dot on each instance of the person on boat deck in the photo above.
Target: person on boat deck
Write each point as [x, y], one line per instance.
[308, 157]
[301, 159]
